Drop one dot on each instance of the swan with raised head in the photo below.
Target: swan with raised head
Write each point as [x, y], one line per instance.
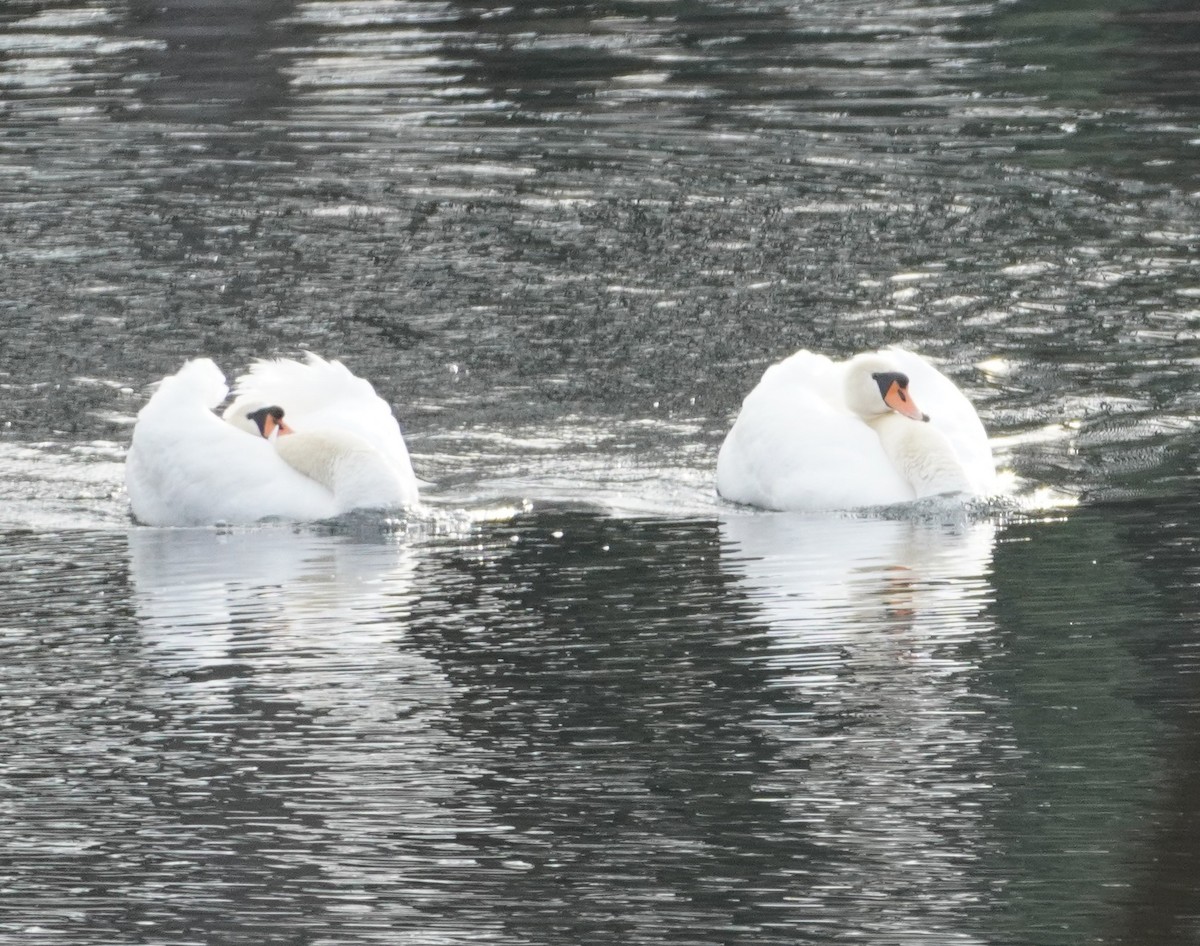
[339, 448]
[822, 435]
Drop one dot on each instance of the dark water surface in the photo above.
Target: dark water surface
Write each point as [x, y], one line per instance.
[578, 699]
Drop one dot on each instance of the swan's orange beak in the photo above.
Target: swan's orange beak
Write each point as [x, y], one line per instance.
[899, 400]
[273, 426]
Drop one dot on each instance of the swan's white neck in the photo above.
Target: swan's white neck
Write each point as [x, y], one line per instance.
[922, 455]
[348, 466]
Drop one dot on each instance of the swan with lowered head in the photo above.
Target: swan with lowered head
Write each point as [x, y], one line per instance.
[339, 449]
[822, 435]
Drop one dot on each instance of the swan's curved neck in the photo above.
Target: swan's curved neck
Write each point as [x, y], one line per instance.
[346, 465]
[922, 455]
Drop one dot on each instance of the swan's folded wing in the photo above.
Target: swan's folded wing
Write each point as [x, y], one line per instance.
[317, 394]
[952, 413]
[187, 467]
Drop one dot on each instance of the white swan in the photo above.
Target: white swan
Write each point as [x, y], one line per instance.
[822, 435]
[339, 449]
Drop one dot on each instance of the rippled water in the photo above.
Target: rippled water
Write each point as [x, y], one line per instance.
[578, 699]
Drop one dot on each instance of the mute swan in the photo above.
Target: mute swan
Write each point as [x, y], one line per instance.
[822, 435]
[339, 449]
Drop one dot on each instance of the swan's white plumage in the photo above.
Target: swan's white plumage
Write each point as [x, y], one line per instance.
[188, 466]
[323, 395]
[797, 444]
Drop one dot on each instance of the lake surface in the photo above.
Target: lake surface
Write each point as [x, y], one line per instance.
[576, 698]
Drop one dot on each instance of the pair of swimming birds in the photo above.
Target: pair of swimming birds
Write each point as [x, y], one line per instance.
[307, 440]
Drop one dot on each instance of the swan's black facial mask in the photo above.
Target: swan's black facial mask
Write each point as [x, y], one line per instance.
[266, 419]
[885, 380]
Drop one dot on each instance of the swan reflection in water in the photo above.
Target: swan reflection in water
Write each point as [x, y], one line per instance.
[303, 605]
[874, 630]
[281, 675]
